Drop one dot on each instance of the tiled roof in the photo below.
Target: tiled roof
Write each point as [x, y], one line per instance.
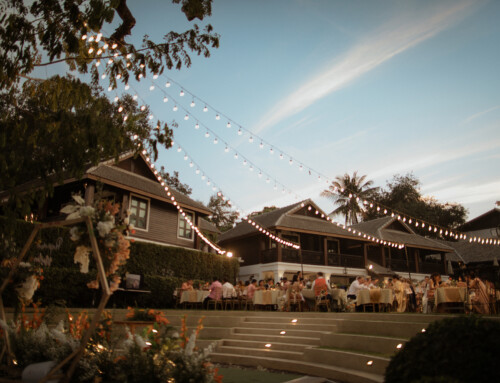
[138, 182]
[378, 228]
[467, 252]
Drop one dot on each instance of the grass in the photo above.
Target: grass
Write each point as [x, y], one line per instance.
[247, 375]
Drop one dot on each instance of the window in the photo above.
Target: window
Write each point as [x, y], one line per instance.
[139, 212]
[185, 229]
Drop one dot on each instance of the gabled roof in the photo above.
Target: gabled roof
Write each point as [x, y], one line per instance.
[467, 252]
[208, 226]
[116, 176]
[490, 219]
[381, 228]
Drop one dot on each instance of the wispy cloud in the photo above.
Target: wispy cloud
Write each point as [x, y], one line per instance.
[480, 114]
[395, 38]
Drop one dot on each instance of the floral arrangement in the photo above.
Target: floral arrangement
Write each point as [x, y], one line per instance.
[26, 279]
[146, 315]
[110, 227]
[159, 354]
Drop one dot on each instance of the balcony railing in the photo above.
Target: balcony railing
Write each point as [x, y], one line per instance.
[310, 257]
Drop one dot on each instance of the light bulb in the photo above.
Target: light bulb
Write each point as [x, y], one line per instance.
[260, 174]
[244, 162]
[91, 38]
[261, 145]
[271, 151]
[143, 108]
[216, 141]
[165, 99]
[217, 117]
[251, 168]
[275, 187]
[268, 180]
[135, 97]
[120, 109]
[205, 109]
[152, 87]
[226, 149]
[98, 63]
[192, 104]
[105, 46]
[185, 157]
[175, 108]
[290, 162]
[250, 139]
[91, 50]
[203, 177]
[179, 149]
[240, 132]
[140, 74]
[151, 116]
[167, 85]
[186, 117]
[235, 156]
[191, 164]
[207, 134]
[127, 86]
[182, 93]
[155, 76]
[197, 126]
[103, 76]
[110, 88]
[197, 171]
[301, 168]
[84, 37]
[281, 156]
[116, 98]
[114, 46]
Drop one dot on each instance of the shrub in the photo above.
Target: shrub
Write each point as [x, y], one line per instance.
[453, 350]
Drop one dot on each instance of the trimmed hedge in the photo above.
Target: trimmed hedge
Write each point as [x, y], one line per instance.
[163, 267]
[454, 350]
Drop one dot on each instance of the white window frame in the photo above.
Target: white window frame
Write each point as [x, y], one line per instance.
[179, 217]
[148, 212]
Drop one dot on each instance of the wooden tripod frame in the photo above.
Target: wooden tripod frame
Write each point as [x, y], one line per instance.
[74, 357]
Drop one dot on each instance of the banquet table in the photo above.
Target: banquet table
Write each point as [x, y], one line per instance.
[374, 296]
[338, 295]
[450, 295]
[266, 297]
[194, 296]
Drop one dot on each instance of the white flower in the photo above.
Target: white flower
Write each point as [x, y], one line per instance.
[69, 209]
[24, 264]
[126, 221]
[74, 234]
[109, 242]
[27, 289]
[139, 340]
[82, 257]
[78, 199]
[104, 227]
[87, 211]
[191, 343]
[175, 335]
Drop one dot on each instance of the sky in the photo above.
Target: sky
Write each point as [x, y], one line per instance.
[377, 87]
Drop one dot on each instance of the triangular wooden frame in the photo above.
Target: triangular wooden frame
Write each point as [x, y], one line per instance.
[106, 293]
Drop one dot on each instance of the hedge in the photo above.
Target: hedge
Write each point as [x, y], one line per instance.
[163, 268]
[454, 350]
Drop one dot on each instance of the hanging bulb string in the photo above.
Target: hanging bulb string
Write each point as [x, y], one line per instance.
[323, 216]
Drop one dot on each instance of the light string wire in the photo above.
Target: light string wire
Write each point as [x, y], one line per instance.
[443, 231]
[366, 202]
[323, 216]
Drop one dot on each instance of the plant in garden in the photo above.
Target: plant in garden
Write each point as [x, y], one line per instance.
[149, 315]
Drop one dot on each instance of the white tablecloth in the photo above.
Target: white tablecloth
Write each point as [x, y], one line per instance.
[375, 296]
[194, 296]
[450, 294]
[266, 297]
[339, 295]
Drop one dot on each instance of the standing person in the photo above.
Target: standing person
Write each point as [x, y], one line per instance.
[399, 294]
[216, 285]
[251, 289]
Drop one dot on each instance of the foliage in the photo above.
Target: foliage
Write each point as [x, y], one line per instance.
[40, 33]
[173, 181]
[266, 209]
[462, 349]
[403, 195]
[58, 128]
[346, 192]
[223, 216]
[137, 314]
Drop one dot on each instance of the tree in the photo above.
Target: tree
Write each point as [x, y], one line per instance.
[266, 209]
[174, 181]
[57, 126]
[403, 195]
[40, 33]
[223, 216]
[347, 192]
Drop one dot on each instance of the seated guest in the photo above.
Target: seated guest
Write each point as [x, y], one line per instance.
[319, 285]
[262, 285]
[187, 286]
[214, 287]
[228, 290]
[251, 289]
[356, 285]
[371, 284]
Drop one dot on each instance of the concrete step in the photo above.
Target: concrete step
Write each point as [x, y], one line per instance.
[293, 331]
[347, 359]
[363, 343]
[320, 319]
[277, 338]
[261, 344]
[381, 328]
[335, 373]
[261, 352]
[289, 326]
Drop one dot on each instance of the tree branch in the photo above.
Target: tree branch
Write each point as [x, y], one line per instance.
[125, 28]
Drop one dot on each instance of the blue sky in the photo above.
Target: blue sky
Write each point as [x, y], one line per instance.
[381, 87]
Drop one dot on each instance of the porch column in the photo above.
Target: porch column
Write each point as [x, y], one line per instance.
[443, 262]
[417, 258]
[390, 257]
[89, 194]
[365, 253]
[382, 252]
[325, 252]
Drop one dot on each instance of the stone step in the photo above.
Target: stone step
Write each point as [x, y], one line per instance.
[381, 328]
[290, 326]
[293, 331]
[333, 372]
[321, 320]
[261, 352]
[347, 359]
[363, 343]
[261, 344]
[278, 338]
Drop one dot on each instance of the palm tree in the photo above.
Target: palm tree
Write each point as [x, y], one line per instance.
[347, 192]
